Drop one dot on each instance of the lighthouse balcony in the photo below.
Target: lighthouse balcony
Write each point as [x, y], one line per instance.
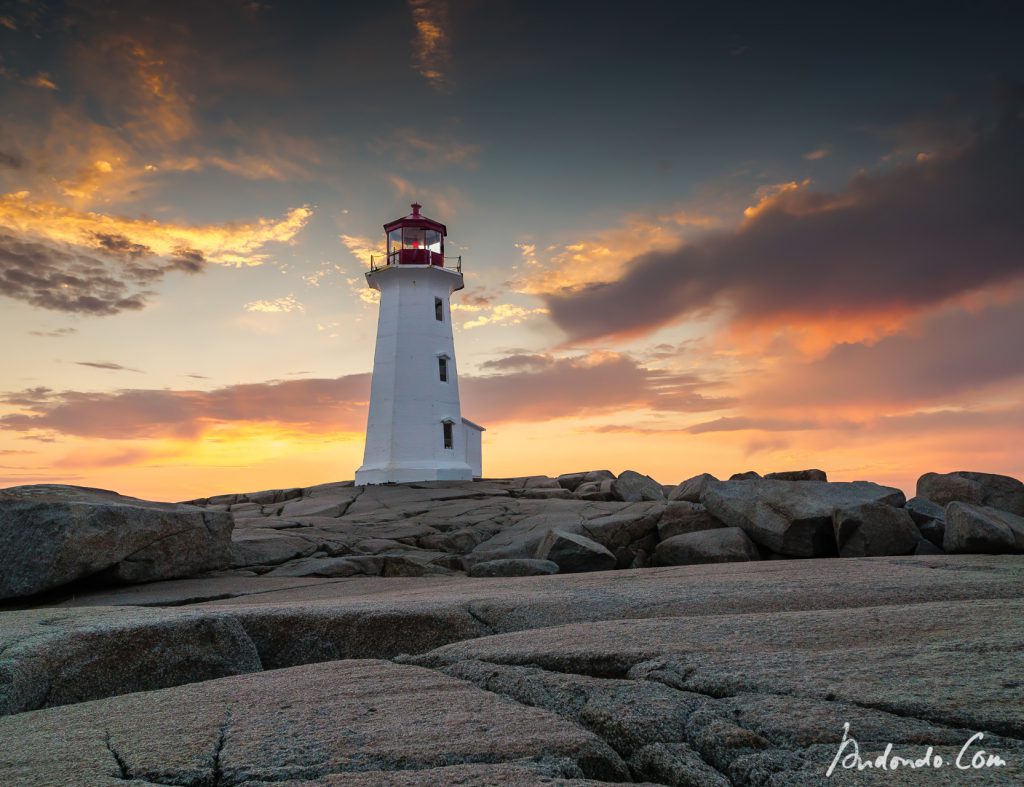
[415, 257]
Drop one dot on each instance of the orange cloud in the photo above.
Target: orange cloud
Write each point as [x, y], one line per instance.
[237, 244]
[430, 47]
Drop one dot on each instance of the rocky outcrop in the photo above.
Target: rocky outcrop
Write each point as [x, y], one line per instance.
[515, 567]
[680, 517]
[722, 545]
[692, 489]
[793, 518]
[982, 529]
[51, 535]
[929, 517]
[873, 530]
[983, 489]
[574, 553]
[304, 723]
[633, 487]
[798, 475]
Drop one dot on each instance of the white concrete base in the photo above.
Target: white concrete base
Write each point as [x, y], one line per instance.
[406, 474]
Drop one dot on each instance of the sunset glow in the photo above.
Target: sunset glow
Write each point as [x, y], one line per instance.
[686, 248]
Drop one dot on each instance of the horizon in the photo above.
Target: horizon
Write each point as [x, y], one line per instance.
[694, 239]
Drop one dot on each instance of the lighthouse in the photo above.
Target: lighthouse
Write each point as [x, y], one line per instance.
[415, 430]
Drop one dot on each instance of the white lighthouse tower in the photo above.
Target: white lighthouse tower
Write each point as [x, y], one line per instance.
[415, 430]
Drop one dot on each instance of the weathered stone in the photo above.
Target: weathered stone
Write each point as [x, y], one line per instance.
[547, 494]
[299, 723]
[459, 541]
[540, 482]
[574, 553]
[873, 530]
[929, 517]
[675, 764]
[57, 657]
[722, 545]
[624, 533]
[571, 480]
[798, 475]
[692, 489]
[267, 547]
[599, 475]
[682, 517]
[983, 489]
[514, 567]
[748, 475]
[595, 490]
[51, 535]
[926, 547]
[974, 529]
[356, 565]
[792, 517]
[632, 487]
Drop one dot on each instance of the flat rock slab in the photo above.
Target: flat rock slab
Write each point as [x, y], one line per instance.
[909, 660]
[54, 657]
[301, 724]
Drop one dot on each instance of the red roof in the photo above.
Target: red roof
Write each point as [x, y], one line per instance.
[416, 219]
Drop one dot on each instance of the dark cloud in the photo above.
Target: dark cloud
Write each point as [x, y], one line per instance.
[11, 160]
[517, 361]
[71, 279]
[119, 244]
[894, 242]
[944, 359]
[108, 365]
[562, 387]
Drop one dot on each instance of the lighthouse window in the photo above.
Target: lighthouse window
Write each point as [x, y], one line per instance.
[442, 367]
[449, 438]
[438, 310]
[432, 239]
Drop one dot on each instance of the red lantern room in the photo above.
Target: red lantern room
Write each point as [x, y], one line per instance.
[415, 240]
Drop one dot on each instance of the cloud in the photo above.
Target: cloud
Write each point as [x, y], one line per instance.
[551, 388]
[944, 357]
[892, 243]
[824, 151]
[431, 53]
[56, 333]
[604, 254]
[499, 314]
[108, 365]
[62, 279]
[235, 243]
[41, 80]
[11, 160]
[414, 149]
[286, 304]
[362, 248]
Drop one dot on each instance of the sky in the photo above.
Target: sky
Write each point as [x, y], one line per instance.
[696, 237]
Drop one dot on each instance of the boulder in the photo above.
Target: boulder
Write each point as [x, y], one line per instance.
[356, 565]
[595, 490]
[749, 475]
[792, 517]
[51, 535]
[983, 489]
[982, 529]
[681, 517]
[722, 545]
[632, 487]
[692, 489]
[925, 547]
[574, 553]
[873, 530]
[929, 517]
[570, 480]
[630, 534]
[514, 567]
[798, 475]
